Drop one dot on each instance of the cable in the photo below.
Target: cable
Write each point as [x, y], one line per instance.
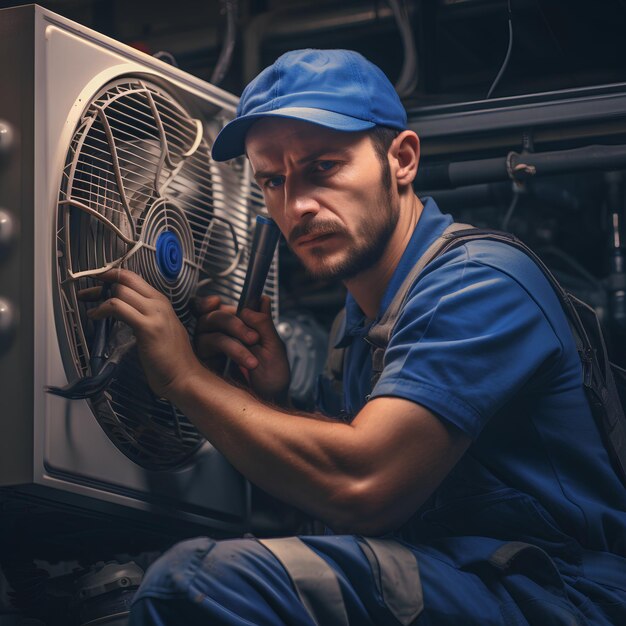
[226, 54]
[512, 207]
[507, 57]
[407, 81]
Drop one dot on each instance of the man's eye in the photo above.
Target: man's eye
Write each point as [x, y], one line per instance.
[324, 166]
[274, 182]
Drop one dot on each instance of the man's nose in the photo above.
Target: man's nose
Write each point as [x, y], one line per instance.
[300, 200]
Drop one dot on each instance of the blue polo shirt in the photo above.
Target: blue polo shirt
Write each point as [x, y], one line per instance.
[483, 343]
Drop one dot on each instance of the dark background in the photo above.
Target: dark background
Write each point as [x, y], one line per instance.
[460, 48]
[460, 43]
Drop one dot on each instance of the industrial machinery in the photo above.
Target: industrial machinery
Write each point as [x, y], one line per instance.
[105, 162]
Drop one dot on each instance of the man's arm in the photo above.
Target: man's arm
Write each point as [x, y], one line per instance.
[367, 477]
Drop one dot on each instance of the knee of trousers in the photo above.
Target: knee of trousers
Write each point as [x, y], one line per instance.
[172, 573]
[203, 566]
[232, 581]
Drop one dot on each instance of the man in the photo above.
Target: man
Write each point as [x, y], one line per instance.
[474, 459]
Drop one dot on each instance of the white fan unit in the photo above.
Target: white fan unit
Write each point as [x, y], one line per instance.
[109, 165]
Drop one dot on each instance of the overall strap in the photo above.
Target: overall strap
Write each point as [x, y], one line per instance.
[333, 368]
[380, 333]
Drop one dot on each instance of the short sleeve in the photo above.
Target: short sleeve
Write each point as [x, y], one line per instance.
[469, 338]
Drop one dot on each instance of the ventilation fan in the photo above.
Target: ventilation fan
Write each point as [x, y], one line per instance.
[113, 169]
[138, 191]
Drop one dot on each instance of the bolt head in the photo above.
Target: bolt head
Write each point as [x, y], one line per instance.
[7, 138]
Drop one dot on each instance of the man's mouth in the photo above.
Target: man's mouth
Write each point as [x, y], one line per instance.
[308, 234]
[313, 238]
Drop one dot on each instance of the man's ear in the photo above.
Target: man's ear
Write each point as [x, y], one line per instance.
[404, 153]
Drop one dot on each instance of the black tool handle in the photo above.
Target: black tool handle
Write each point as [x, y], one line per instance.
[266, 235]
[264, 240]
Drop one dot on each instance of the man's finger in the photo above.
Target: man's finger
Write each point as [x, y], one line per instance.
[209, 346]
[133, 298]
[206, 304]
[90, 294]
[226, 323]
[130, 279]
[119, 310]
[266, 305]
[261, 321]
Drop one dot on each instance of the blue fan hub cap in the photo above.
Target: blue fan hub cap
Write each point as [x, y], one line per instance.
[169, 255]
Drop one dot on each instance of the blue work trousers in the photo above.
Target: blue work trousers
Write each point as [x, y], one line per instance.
[240, 582]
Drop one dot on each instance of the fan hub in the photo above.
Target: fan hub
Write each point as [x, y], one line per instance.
[169, 255]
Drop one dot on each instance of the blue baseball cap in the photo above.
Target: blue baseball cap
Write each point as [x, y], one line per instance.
[338, 89]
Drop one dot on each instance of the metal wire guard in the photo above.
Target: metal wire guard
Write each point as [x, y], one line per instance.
[138, 178]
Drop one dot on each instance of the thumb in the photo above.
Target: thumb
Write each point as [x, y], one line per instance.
[266, 305]
[261, 320]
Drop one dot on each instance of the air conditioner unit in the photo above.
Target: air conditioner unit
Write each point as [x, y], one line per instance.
[105, 160]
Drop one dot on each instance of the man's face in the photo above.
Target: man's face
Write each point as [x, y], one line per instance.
[325, 191]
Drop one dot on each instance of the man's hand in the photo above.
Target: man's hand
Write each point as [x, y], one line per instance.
[249, 340]
[162, 341]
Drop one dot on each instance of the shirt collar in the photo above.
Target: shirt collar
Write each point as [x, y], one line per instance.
[431, 225]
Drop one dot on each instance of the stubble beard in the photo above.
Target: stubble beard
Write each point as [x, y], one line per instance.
[366, 248]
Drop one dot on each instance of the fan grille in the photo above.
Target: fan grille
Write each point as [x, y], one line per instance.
[139, 190]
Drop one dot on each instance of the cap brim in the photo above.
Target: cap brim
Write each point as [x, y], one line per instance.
[231, 140]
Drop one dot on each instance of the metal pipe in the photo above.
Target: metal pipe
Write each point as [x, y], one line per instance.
[467, 197]
[222, 66]
[293, 21]
[519, 167]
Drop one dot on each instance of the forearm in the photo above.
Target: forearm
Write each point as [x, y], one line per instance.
[368, 476]
[308, 461]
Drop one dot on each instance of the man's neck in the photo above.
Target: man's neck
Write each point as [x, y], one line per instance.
[368, 287]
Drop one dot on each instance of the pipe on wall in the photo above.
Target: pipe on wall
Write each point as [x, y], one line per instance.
[292, 21]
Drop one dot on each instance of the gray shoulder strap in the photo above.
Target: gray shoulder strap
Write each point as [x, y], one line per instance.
[380, 333]
[333, 368]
